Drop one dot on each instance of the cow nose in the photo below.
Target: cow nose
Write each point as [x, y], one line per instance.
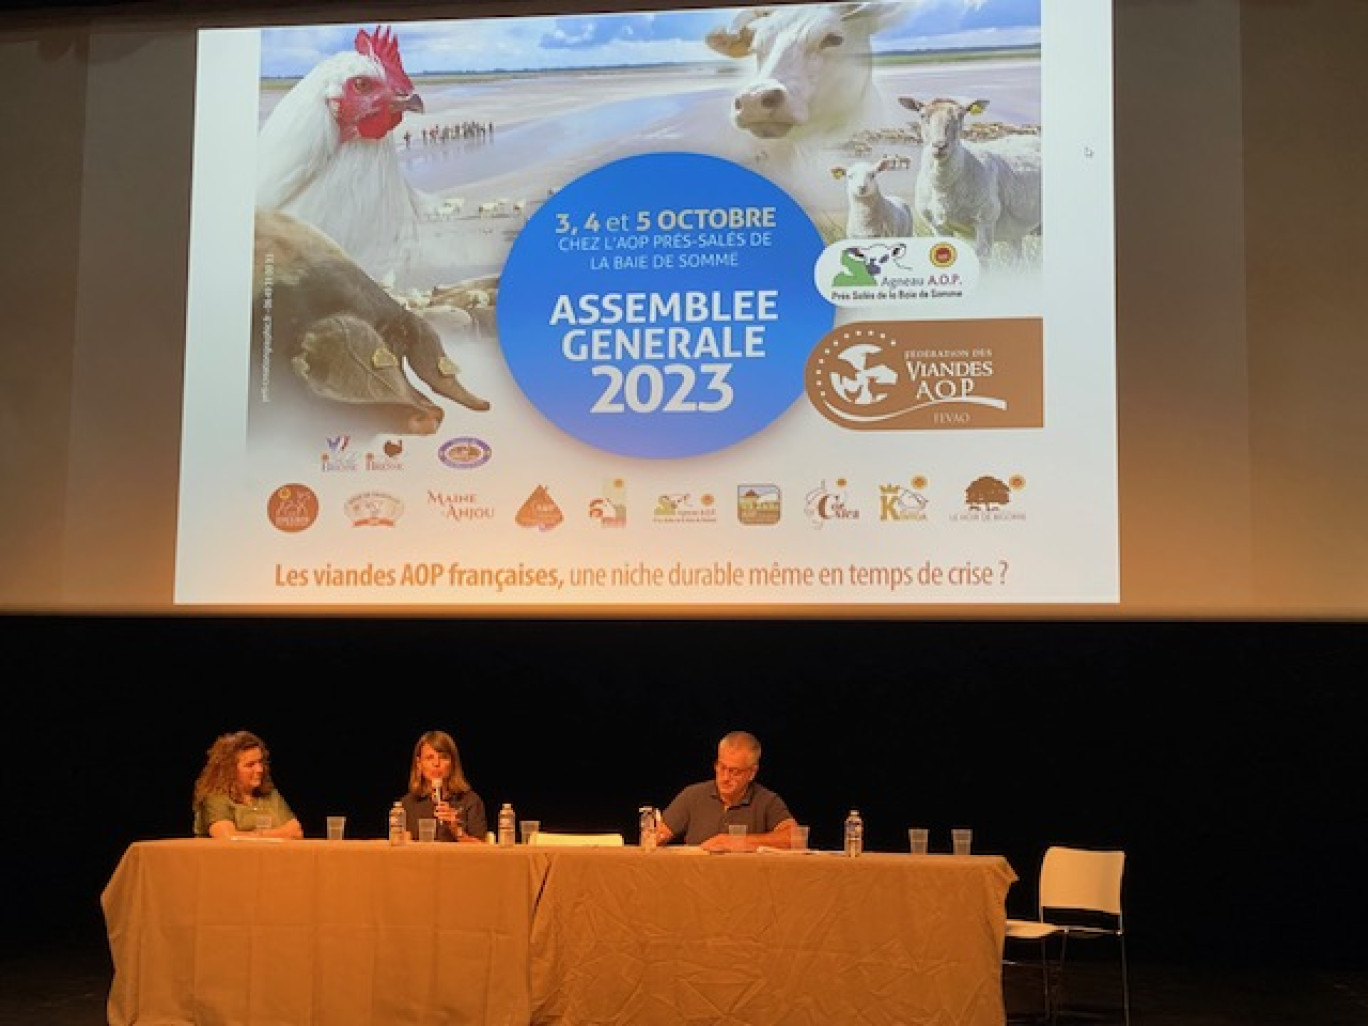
[770, 99]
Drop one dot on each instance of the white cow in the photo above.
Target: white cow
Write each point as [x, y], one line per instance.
[814, 70]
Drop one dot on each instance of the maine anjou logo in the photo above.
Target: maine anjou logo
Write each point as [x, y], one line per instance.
[460, 507]
[465, 453]
[292, 508]
[896, 271]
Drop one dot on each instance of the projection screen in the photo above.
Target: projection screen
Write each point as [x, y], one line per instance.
[631, 308]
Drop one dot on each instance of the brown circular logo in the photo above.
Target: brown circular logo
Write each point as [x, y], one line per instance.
[292, 507]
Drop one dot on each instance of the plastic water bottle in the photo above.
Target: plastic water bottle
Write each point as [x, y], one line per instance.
[649, 822]
[398, 824]
[508, 826]
[854, 834]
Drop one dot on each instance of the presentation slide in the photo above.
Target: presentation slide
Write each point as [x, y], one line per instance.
[796, 307]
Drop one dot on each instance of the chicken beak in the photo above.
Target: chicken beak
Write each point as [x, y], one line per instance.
[408, 102]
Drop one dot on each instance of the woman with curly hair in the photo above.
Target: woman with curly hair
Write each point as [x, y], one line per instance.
[235, 794]
[438, 789]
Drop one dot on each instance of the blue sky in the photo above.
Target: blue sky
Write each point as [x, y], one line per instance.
[571, 41]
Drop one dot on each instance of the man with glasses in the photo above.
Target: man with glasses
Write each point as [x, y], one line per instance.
[703, 813]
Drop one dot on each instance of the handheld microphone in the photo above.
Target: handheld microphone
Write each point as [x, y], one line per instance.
[436, 798]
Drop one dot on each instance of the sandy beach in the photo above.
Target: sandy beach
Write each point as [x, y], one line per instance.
[549, 129]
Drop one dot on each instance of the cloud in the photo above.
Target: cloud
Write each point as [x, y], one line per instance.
[569, 41]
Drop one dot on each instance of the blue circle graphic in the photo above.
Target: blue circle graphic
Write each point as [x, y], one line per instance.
[663, 305]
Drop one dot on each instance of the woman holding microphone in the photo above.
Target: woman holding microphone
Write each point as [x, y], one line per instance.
[438, 789]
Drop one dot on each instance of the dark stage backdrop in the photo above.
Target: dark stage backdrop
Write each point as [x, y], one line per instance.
[1226, 759]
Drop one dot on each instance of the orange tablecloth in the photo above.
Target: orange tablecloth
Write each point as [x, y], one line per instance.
[748, 940]
[253, 933]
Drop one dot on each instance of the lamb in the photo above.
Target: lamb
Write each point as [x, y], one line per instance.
[872, 214]
[814, 74]
[987, 191]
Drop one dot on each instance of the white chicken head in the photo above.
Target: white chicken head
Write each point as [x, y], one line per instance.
[368, 91]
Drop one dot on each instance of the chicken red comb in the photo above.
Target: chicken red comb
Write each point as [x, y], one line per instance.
[384, 47]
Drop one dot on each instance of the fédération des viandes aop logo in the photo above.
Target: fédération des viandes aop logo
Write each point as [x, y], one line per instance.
[929, 375]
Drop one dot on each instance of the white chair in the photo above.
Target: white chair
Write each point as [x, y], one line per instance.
[1080, 898]
[547, 839]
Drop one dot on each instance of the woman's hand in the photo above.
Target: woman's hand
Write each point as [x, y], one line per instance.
[446, 813]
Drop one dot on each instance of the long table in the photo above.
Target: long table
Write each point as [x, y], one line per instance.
[256, 933]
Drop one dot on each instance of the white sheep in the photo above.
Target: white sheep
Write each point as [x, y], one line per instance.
[451, 207]
[988, 191]
[872, 213]
[490, 208]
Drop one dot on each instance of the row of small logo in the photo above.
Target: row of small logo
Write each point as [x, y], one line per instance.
[296, 507]
[464, 453]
